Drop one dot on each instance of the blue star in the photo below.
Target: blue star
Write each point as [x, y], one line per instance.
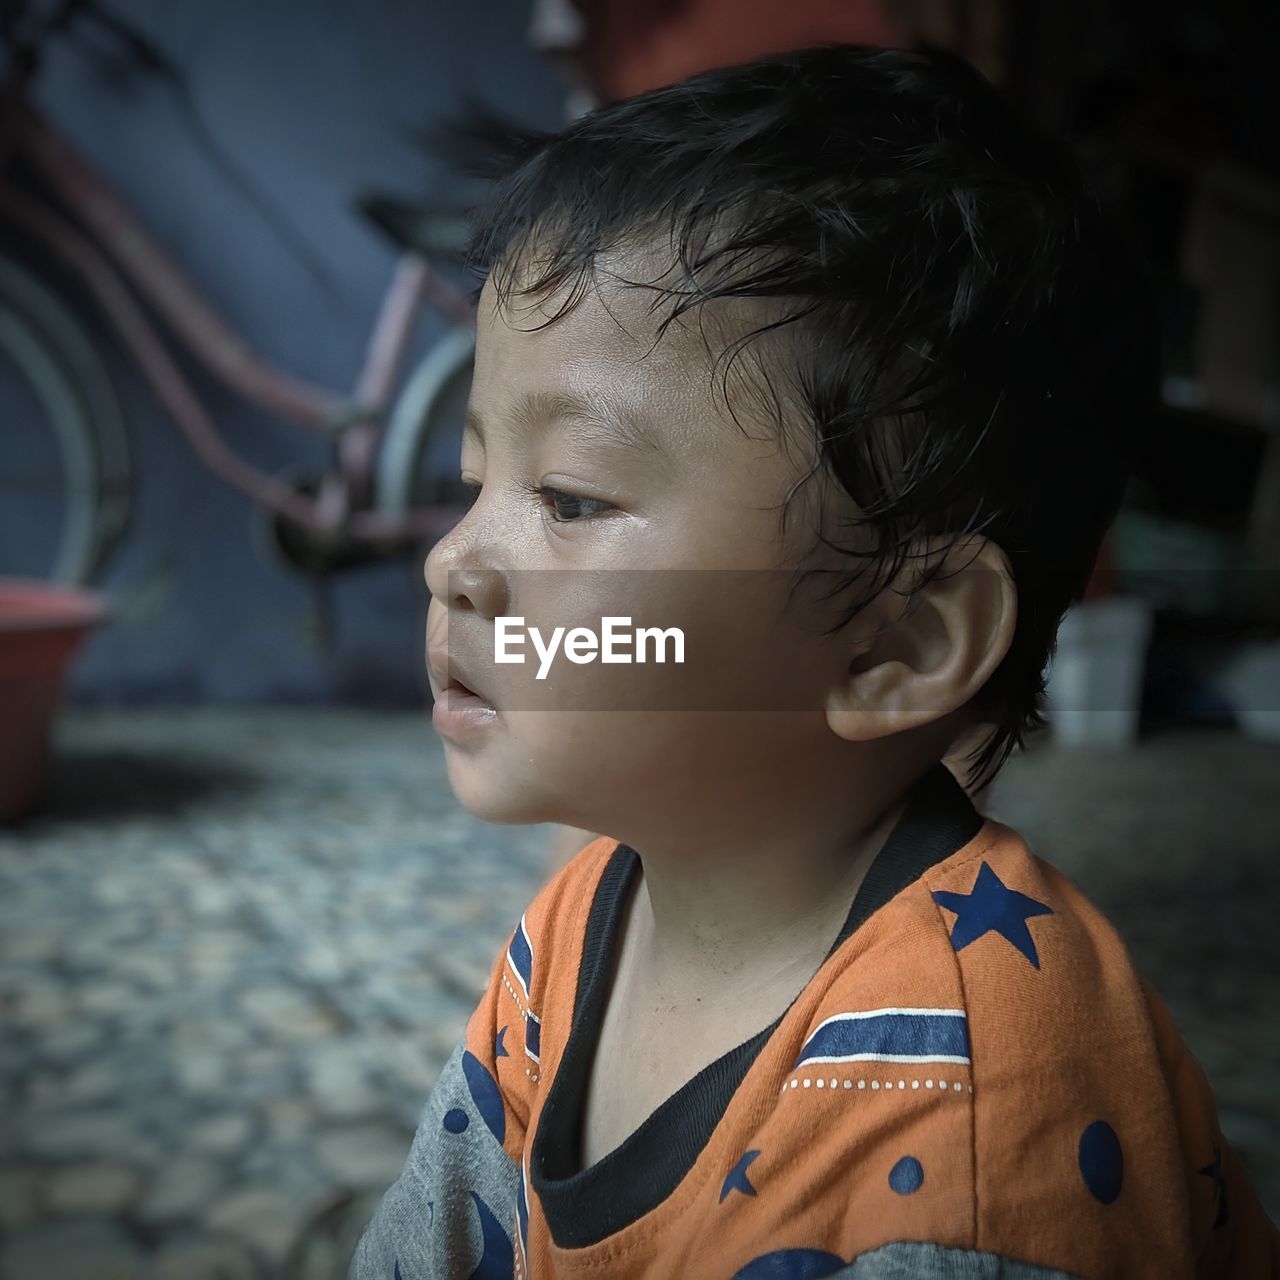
[500, 1049]
[992, 907]
[737, 1179]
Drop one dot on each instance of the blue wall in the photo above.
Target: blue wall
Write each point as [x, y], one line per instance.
[315, 98]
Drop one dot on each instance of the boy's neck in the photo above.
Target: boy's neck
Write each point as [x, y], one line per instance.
[762, 909]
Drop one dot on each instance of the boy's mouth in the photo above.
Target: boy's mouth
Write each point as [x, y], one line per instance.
[451, 682]
[459, 691]
[461, 712]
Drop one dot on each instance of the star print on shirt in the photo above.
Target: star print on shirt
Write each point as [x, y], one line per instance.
[737, 1179]
[992, 907]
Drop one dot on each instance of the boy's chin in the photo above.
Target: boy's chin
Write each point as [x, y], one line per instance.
[492, 799]
[490, 806]
[504, 815]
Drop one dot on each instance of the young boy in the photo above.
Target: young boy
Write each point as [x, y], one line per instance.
[830, 363]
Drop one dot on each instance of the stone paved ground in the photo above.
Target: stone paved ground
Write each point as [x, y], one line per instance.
[238, 945]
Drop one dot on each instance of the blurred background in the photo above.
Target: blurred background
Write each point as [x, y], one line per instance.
[242, 920]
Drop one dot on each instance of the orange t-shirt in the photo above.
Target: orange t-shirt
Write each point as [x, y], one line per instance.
[975, 1083]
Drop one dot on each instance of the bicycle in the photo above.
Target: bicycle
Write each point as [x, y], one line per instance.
[387, 492]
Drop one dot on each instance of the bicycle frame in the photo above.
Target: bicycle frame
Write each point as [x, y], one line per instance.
[101, 219]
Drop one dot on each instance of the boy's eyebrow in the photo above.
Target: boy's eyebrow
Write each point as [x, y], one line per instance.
[595, 419]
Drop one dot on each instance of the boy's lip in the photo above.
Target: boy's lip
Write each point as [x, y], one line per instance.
[448, 673]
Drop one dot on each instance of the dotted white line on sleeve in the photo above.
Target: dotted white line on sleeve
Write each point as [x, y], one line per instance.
[823, 1082]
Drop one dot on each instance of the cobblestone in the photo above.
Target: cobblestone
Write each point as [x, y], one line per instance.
[238, 945]
[181, 1189]
[21, 1198]
[265, 1216]
[95, 1187]
[203, 1258]
[368, 1154]
[89, 1249]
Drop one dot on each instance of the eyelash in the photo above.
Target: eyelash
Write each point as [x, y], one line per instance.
[547, 491]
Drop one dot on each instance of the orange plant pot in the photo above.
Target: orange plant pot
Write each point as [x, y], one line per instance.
[41, 627]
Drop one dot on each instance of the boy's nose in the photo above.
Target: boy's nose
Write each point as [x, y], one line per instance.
[445, 557]
[466, 588]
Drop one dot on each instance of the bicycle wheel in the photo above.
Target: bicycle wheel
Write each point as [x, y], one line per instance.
[418, 459]
[64, 462]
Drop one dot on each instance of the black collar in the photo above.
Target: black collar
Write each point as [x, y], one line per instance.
[586, 1206]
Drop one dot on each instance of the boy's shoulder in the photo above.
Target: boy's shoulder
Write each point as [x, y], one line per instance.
[994, 963]
[1030, 960]
[985, 1036]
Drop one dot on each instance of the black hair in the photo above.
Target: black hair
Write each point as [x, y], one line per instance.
[970, 330]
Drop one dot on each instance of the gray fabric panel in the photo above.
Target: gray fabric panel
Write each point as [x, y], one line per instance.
[428, 1223]
[913, 1260]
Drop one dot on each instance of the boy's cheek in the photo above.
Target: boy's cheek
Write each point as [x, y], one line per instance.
[435, 636]
[495, 781]
[679, 642]
[592, 769]
[540, 766]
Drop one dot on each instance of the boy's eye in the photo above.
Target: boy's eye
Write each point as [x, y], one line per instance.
[564, 508]
[567, 508]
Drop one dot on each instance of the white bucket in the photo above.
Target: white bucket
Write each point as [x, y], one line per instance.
[1094, 690]
[1249, 678]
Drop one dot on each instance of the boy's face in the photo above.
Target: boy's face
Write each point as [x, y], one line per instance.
[592, 744]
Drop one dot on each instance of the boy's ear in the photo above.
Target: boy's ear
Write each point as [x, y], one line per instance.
[914, 658]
